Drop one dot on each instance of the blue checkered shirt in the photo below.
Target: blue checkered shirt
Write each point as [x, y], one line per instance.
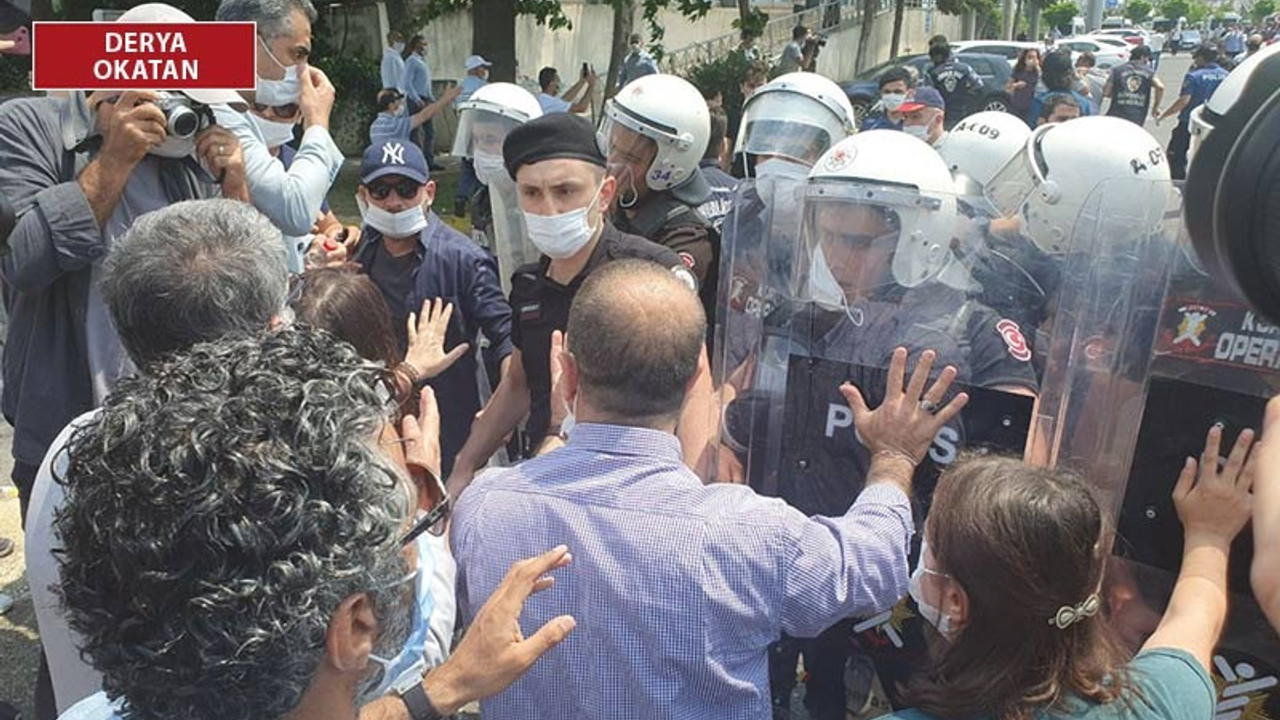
[677, 588]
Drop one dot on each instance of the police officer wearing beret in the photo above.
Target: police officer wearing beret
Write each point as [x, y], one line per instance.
[564, 194]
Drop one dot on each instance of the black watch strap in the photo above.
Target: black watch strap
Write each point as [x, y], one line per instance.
[420, 707]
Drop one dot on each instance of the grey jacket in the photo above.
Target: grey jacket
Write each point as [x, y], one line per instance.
[44, 145]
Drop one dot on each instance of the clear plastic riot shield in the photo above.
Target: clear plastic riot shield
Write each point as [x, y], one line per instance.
[875, 267]
[759, 243]
[1148, 352]
[508, 240]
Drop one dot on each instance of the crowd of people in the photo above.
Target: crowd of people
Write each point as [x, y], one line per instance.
[688, 407]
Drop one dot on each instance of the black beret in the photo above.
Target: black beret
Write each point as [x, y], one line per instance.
[550, 137]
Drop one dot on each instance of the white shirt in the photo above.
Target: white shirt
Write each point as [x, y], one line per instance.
[290, 198]
[1156, 42]
[553, 104]
[75, 680]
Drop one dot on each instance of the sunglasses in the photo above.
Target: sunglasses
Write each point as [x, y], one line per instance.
[406, 189]
[281, 111]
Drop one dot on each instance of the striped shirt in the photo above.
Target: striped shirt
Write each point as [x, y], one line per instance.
[678, 588]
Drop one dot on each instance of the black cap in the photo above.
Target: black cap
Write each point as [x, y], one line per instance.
[551, 137]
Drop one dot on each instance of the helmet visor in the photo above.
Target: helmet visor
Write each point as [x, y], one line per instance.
[1014, 183]
[788, 125]
[483, 130]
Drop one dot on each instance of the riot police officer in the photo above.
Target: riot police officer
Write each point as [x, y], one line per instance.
[483, 123]
[654, 133]
[786, 126]
[957, 81]
[877, 269]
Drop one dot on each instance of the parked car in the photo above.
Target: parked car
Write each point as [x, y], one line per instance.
[1007, 49]
[1191, 39]
[1132, 36]
[864, 91]
[1100, 50]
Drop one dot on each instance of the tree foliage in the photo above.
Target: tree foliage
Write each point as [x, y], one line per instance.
[1261, 10]
[1138, 10]
[1060, 15]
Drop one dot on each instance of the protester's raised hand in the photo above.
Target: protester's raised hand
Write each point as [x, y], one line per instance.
[494, 652]
[427, 331]
[1213, 502]
[224, 158]
[421, 437]
[318, 96]
[906, 423]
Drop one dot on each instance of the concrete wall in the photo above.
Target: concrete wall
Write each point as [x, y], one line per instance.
[449, 40]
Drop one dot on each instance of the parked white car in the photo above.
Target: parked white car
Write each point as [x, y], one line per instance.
[1114, 55]
[1008, 49]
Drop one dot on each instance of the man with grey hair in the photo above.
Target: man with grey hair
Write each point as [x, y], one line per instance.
[188, 273]
[288, 91]
[266, 567]
[686, 584]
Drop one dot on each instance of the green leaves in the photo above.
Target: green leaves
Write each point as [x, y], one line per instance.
[1138, 10]
[1060, 15]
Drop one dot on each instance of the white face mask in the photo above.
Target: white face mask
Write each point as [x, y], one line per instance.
[917, 131]
[561, 236]
[397, 225]
[489, 167]
[893, 101]
[823, 287]
[779, 168]
[930, 612]
[398, 47]
[275, 133]
[279, 92]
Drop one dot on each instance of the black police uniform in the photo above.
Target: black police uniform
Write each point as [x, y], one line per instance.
[672, 223]
[820, 464]
[958, 83]
[1131, 92]
[541, 306]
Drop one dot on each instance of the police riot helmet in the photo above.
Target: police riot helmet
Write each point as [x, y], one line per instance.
[673, 114]
[908, 180]
[797, 116]
[1062, 165]
[491, 112]
[978, 146]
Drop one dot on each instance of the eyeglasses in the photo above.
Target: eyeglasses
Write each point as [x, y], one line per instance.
[406, 189]
[435, 520]
[297, 285]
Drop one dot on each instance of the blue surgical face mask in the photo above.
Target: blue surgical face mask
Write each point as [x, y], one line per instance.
[408, 663]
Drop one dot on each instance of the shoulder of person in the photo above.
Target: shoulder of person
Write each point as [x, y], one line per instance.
[624, 245]
[1172, 685]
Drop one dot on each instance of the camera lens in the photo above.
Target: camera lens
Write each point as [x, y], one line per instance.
[183, 122]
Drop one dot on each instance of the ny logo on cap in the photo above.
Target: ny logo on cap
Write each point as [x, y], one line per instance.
[393, 153]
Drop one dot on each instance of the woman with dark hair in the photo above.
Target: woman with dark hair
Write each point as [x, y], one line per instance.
[1022, 84]
[1010, 575]
[1057, 75]
[345, 302]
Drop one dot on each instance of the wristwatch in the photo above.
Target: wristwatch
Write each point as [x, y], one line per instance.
[420, 707]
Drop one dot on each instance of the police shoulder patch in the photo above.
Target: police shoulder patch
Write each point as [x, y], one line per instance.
[1014, 340]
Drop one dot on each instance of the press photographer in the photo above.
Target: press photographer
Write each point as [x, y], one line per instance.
[78, 170]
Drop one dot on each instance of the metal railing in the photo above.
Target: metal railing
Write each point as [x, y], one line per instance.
[830, 16]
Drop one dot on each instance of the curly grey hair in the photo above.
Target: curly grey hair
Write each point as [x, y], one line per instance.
[218, 511]
[192, 272]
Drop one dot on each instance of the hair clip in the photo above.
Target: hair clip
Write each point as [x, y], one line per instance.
[1068, 616]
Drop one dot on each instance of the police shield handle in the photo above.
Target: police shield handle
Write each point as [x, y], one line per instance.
[316, 101]
[1264, 467]
[899, 432]
[1214, 503]
[494, 652]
